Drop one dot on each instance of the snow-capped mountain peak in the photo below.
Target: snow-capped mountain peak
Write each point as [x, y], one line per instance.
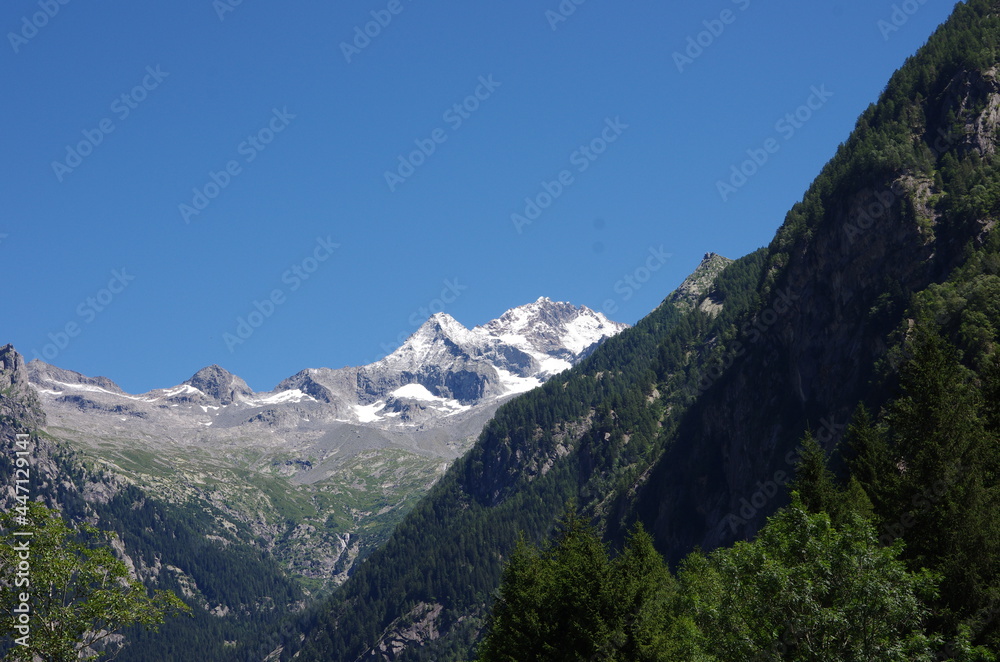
[552, 327]
[436, 338]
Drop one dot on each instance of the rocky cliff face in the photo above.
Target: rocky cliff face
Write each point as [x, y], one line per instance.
[692, 292]
[219, 385]
[974, 98]
[18, 401]
[22, 412]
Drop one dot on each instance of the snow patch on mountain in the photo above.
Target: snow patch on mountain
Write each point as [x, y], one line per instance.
[514, 384]
[280, 397]
[415, 391]
[368, 413]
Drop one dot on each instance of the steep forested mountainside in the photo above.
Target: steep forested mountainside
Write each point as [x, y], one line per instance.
[689, 422]
[907, 199]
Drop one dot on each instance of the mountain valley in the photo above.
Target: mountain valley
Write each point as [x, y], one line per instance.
[324, 465]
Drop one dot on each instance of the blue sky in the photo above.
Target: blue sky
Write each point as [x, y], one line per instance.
[170, 168]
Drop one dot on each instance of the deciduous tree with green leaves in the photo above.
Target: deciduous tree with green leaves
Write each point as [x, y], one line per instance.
[79, 594]
[805, 590]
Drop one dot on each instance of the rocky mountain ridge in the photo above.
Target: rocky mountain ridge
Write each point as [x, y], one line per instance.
[442, 370]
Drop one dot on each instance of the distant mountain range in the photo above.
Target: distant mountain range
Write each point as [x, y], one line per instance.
[374, 437]
[442, 375]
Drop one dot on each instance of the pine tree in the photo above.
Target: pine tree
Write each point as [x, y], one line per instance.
[872, 463]
[814, 482]
[945, 506]
[808, 591]
[553, 603]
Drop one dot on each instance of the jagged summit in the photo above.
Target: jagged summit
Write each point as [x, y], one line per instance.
[40, 372]
[552, 327]
[691, 293]
[219, 384]
[440, 339]
[18, 400]
[443, 325]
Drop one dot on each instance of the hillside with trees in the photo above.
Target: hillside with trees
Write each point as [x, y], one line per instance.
[872, 309]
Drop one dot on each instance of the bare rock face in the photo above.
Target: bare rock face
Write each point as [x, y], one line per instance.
[415, 629]
[219, 384]
[40, 372]
[22, 412]
[973, 97]
[18, 400]
[692, 291]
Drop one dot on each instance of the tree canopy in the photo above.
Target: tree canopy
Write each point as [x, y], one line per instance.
[74, 593]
